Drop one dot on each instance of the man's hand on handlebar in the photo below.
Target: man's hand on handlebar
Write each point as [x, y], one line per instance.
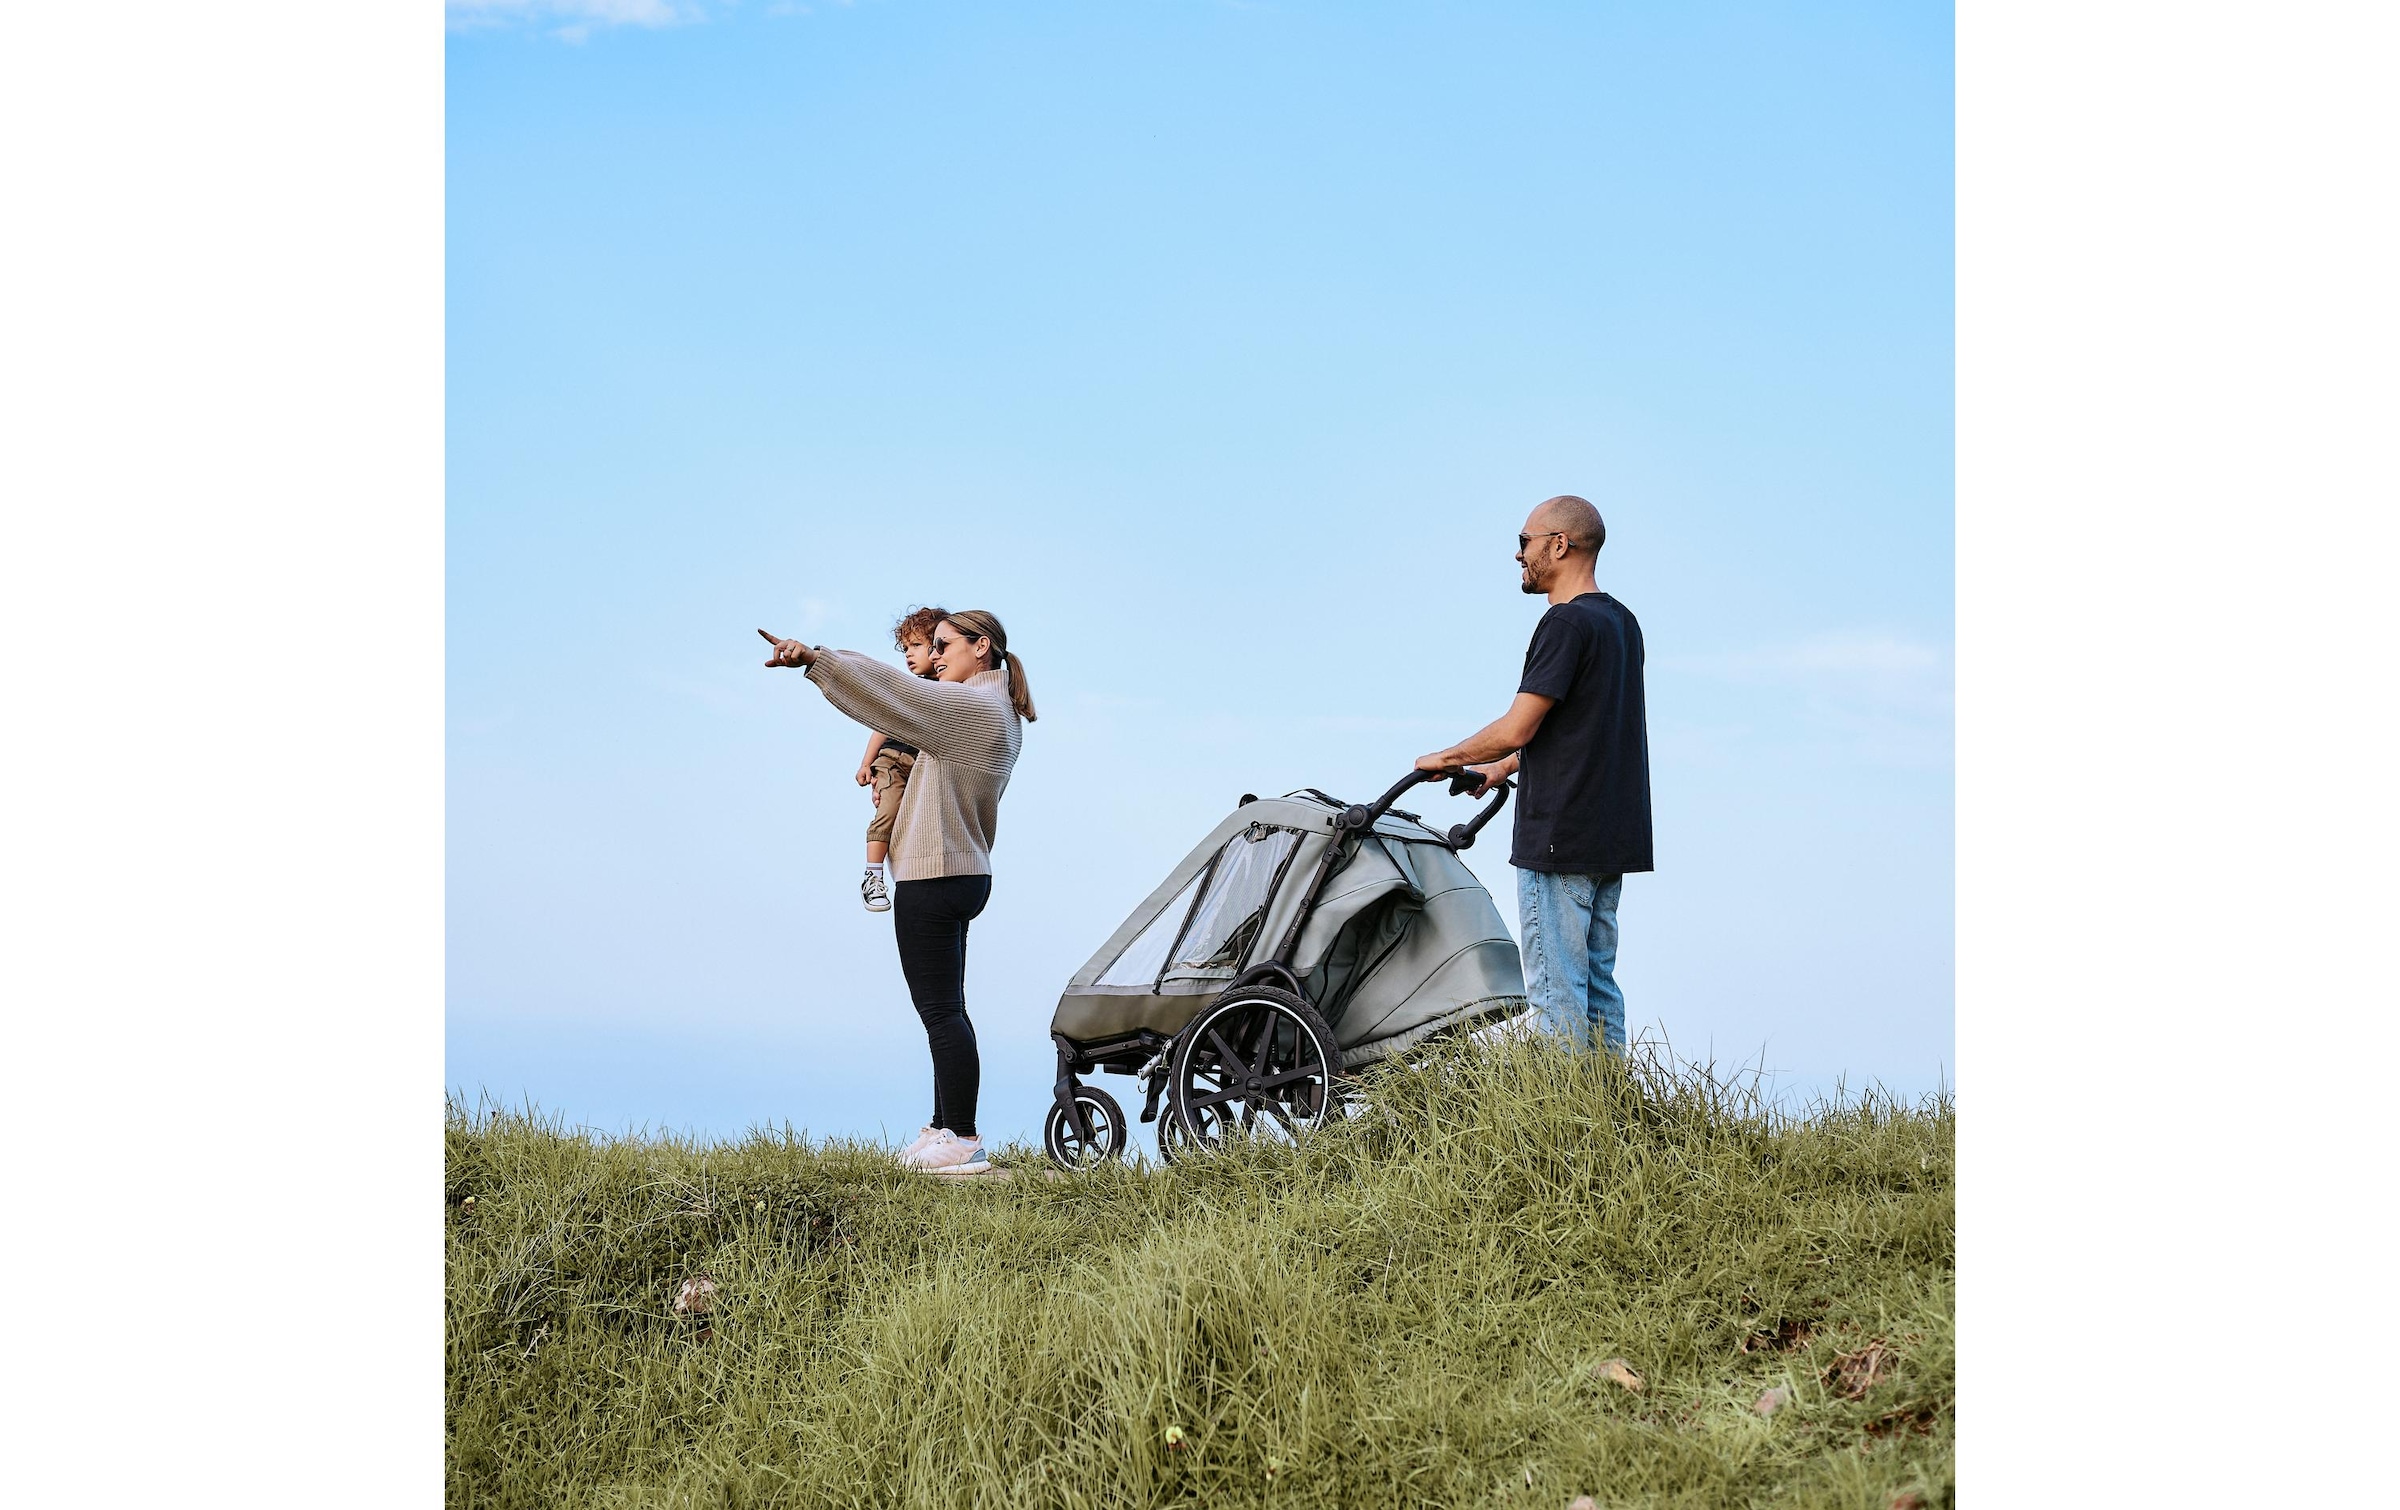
[1468, 780]
[1478, 780]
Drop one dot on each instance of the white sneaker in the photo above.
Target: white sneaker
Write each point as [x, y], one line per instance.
[923, 1137]
[947, 1153]
[873, 893]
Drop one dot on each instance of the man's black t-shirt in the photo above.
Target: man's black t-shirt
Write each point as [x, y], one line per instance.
[1583, 798]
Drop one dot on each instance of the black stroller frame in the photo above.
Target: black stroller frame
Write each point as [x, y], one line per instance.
[1085, 1125]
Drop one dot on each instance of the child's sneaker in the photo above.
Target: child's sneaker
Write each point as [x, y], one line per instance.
[873, 892]
[946, 1153]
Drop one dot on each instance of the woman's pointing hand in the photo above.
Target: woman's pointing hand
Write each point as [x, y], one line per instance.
[788, 653]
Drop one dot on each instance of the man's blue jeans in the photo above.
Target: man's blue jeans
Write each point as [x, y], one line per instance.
[1569, 925]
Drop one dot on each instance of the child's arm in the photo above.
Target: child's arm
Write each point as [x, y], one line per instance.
[866, 762]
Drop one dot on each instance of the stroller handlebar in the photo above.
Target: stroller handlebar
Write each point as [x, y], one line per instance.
[1461, 836]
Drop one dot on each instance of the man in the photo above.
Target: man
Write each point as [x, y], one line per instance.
[1577, 740]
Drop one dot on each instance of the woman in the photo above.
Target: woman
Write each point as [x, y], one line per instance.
[966, 723]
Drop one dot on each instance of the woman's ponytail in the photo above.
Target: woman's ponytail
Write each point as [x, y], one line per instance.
[1020, 696]
[984, 626]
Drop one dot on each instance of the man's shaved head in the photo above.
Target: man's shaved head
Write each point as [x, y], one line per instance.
[1572, 517]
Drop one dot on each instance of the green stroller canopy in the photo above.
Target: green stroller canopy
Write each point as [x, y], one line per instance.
[1403, 942]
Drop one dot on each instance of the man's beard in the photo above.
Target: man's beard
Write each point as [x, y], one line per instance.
[1527, 586]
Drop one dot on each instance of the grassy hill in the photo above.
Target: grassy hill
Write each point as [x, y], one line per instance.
[1442, 1302]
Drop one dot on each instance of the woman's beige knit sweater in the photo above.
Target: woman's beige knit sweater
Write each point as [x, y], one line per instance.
[966, 734]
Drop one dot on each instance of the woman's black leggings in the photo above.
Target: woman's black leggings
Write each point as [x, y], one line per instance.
[930, 920]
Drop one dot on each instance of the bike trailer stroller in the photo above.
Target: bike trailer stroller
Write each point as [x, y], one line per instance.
[1303, 938]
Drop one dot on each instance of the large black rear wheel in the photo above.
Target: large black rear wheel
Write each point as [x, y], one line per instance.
[1258, 1062]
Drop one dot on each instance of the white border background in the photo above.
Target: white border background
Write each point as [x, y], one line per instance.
[2176, 505]
[221, 591]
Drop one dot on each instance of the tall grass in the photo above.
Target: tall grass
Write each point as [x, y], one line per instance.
[1409, 1309]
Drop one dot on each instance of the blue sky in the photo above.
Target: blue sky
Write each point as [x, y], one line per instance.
[1220, 350]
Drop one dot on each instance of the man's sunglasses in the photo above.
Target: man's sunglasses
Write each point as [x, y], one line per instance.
[1526, 540]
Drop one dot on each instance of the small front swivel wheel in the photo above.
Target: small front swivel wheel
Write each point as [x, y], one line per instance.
[1070, 1150]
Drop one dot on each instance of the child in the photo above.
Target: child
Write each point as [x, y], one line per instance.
[885, 766]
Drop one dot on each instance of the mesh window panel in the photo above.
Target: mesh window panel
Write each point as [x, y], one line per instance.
[1140, 963]
[1244, 879]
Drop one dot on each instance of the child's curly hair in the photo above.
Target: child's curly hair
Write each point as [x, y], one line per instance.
[916, 624]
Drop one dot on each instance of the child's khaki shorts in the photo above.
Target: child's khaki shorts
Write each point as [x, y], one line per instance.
[889, 777]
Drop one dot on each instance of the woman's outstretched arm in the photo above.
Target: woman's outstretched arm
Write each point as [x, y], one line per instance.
[947, 720]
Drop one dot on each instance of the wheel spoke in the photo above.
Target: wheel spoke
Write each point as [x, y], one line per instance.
[1305, 1072]
[1266, 1042]
[1273, 1109]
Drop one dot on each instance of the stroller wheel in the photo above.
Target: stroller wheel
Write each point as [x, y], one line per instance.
[1072, 1152]
[1173, 1141]
[1257, 1061]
